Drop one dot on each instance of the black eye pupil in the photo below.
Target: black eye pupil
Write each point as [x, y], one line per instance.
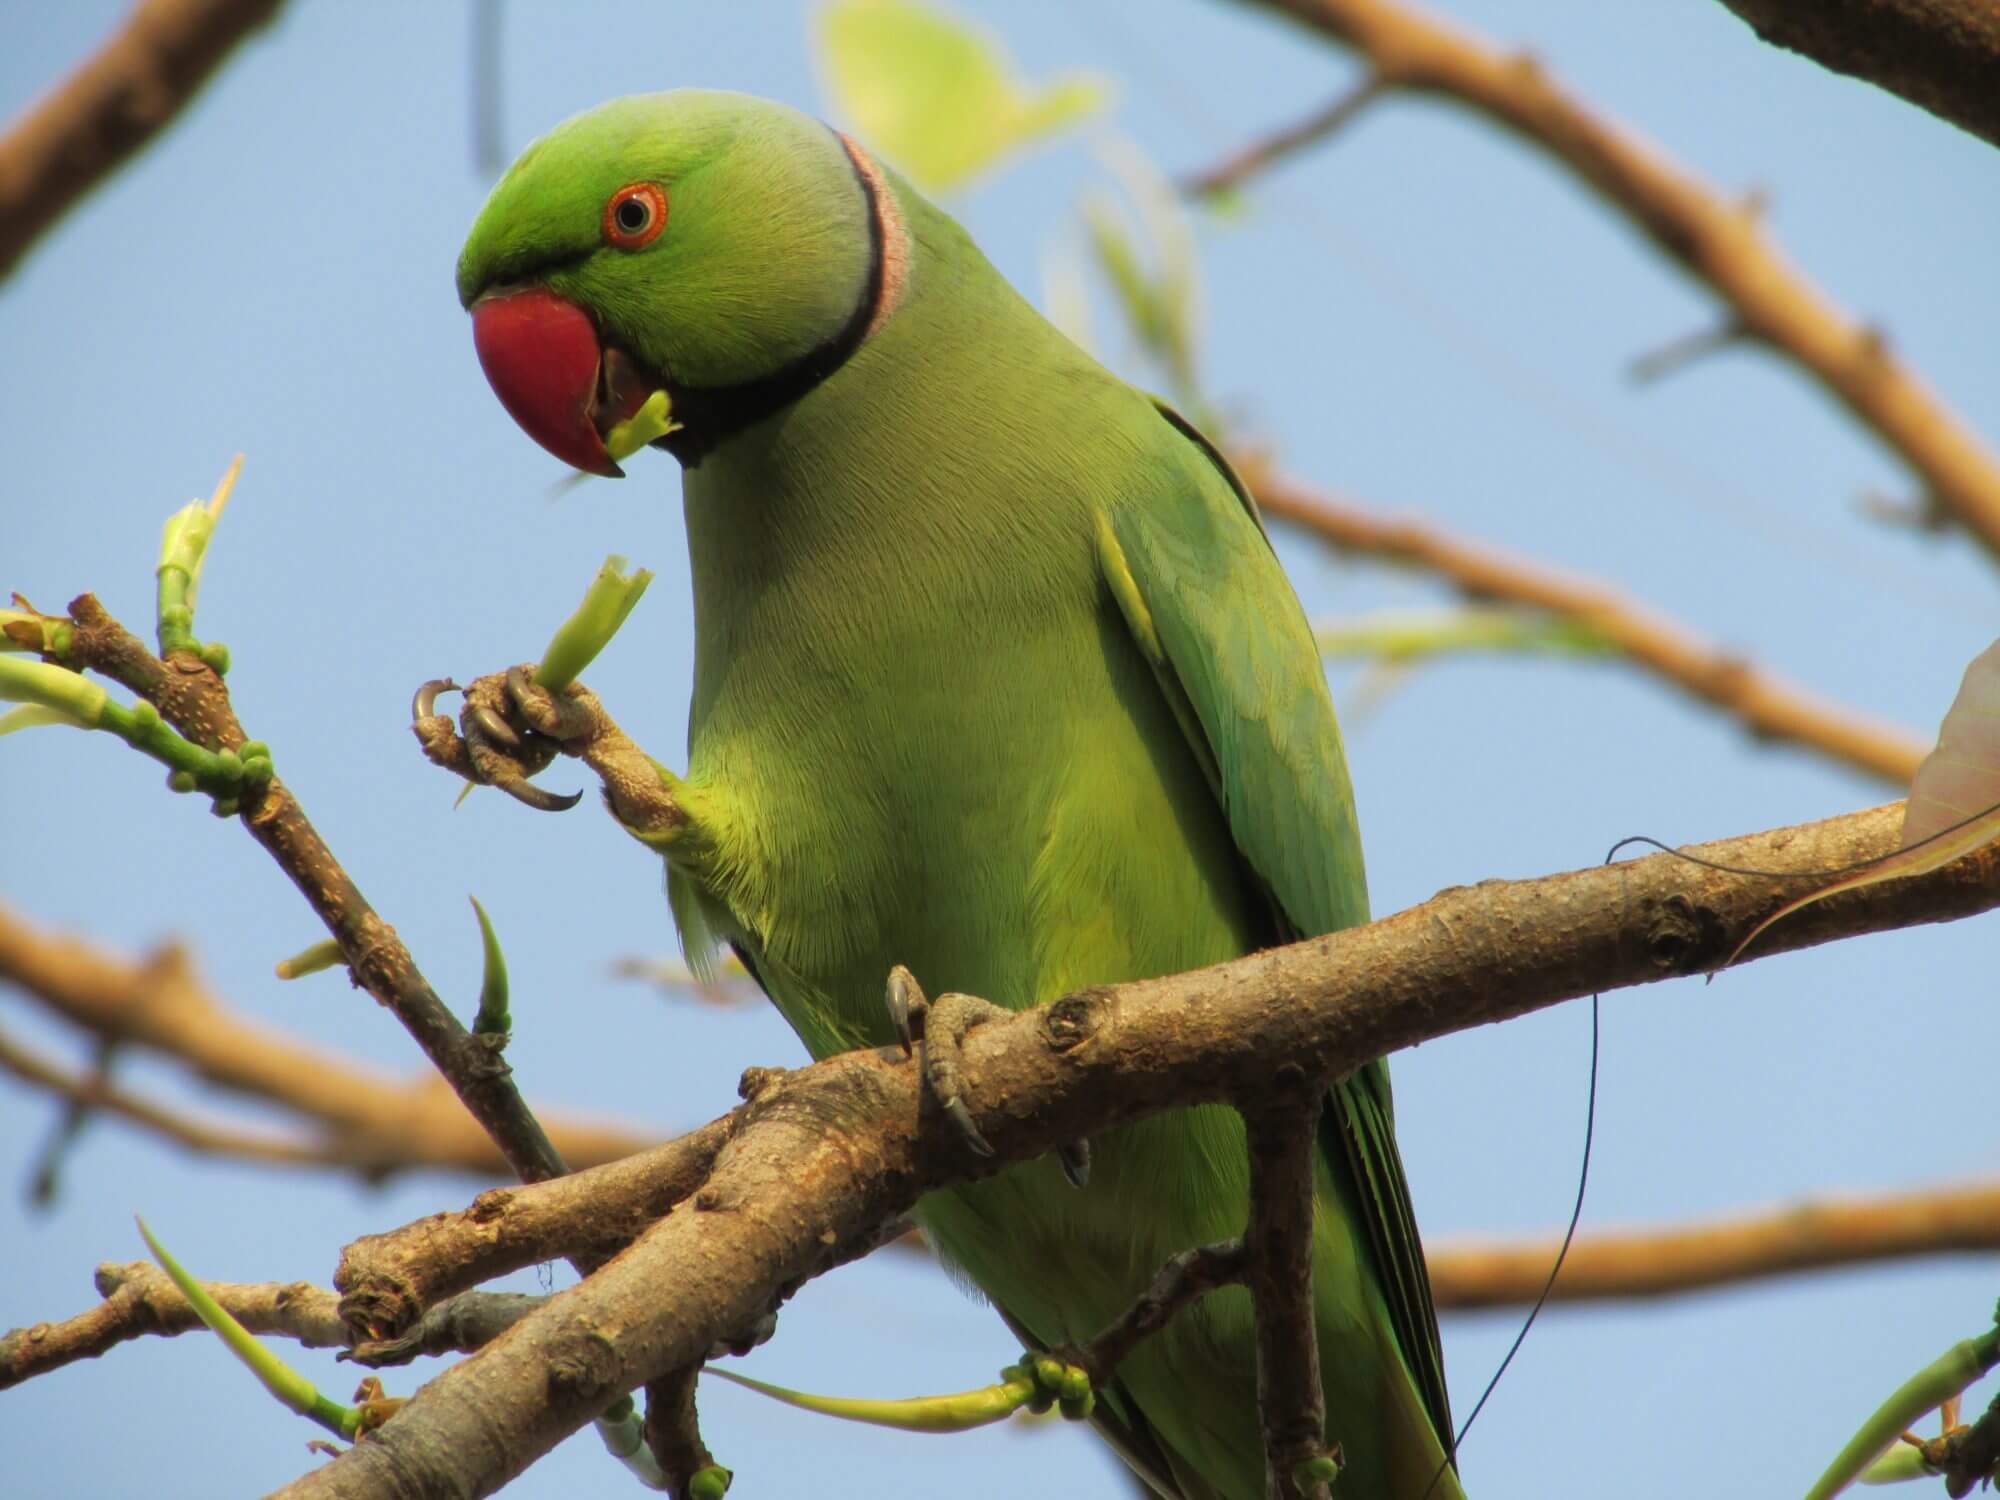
[633, 215]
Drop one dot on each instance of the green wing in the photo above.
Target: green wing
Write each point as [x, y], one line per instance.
[1210, 607]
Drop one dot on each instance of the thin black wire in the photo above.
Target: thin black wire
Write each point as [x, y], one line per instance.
[1590, 1109]
[1846, 869]
[1562, 1252]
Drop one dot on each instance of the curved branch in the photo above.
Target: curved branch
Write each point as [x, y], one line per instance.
[1814, 1234]
[1941, 55]
[119, 99]
[93, 1091]
[1767, 705]
[836, 1149]
[1717, 242]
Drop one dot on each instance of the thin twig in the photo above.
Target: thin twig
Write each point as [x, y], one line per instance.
[1716, 241]
[1767, 705]
[1318, 126]
[191, 697]
[352, 1117]
[1941, 55]
[1278, 1245]
[1814, 1234]
[1184, 1278]
[673, 1428]
[1971, 1459]
[115, 102]
[92, 1091]
[140, 1300]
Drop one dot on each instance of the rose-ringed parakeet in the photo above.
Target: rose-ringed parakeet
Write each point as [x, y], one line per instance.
[996, 677]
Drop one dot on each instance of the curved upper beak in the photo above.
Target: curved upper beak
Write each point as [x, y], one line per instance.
[542, 357]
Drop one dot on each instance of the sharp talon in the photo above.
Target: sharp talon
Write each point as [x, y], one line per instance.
[495, 728]
[425, 703]
[520, 681]
[905, 999]
[1075, 1159]
[527, 792]
[960, 1116]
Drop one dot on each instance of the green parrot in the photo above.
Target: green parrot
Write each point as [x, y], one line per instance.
[997, 678]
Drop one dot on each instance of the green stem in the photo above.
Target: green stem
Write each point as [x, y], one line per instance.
[1928, 1389]
[280, 1379]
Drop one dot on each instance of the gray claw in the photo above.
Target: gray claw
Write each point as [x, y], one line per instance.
[424, 705]
[959, 1115]
[946, 1020]
[525, 791]
[905, 999]
[495, 728]
[1075, 1159]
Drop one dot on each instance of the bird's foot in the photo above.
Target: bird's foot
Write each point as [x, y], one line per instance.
[511, 728]
[934, 1031]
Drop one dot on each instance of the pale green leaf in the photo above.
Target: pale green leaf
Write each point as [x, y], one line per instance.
[937, 96]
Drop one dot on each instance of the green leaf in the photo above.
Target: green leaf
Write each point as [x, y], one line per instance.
[492, 1019]
[183, 549]
[958, 1412]
[577, 641]
[277, 1377]
[937, 96]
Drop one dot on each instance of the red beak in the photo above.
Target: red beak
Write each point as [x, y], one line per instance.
[543, 360]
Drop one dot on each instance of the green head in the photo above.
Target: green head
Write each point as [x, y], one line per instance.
[716, 246]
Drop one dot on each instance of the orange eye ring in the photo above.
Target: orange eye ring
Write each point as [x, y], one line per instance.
[635, 215]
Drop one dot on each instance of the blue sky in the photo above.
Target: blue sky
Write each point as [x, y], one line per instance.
[1423, 316]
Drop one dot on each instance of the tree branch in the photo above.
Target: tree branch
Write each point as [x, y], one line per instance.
[357, 1118]
[191, 697]
[1814, 1234]
[388, 1280]
[119, 99]
[139, 1299]
[822, 1158]
[1714, 240]
[1941, 55]
[1277, 1247]
[92, 1091]
[1767, 705]
[1226, 176]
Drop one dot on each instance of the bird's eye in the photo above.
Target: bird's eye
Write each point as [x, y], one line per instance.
[635, 215]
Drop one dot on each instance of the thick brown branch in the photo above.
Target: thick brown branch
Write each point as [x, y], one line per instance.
[828, 1155]
[1811, 1235]
[88, 125]
[192, 698]
[356, 1118]
[389, 1280]
[1941, 55]
[1278, 1248]
[1766, 704]
[139, 1299]
[1717, 242]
